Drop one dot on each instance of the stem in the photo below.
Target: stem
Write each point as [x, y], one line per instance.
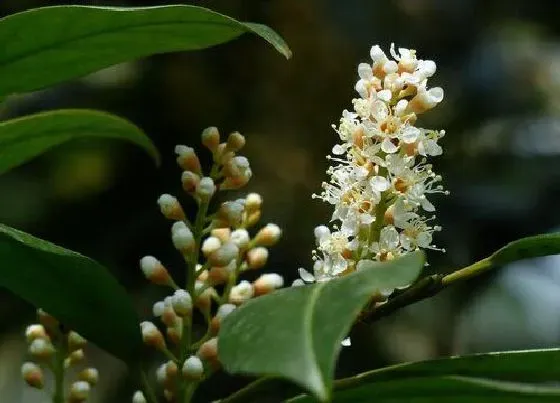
[425, 288]
[243, 394]
[148, 391]
[58, 370]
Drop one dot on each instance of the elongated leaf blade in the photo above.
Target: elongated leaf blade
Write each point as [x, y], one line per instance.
[75, 289]
[525, 248]
[44, 46]
[296, 333]
[24, 138]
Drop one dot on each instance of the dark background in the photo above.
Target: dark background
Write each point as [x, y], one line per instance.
[499, 63]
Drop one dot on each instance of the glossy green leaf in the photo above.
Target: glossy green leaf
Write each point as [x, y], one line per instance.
[44, 46]
[443, 390]
[534, 246]
[296, 333]
[23, 138]
[522, 375]
[78, 291]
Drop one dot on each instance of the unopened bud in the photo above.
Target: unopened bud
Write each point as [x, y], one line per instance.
[187, 159]
[223, 311]
[193, 368]
[253, 202]
[425, 100]
[33, 375]
[222, 234]
[36, 331]
[202, 275]
[182, 237]
[241, 292]
[268, 283]
[170, 207]
[268, 235]
[205, 188]
[238, 173]
[224, 255]
[190, 181]
[161, 373]
[175, 332]
[158, 308]
[208, 351]
[232, 213]
[48, 321]
[203, 295]
[41, 348]
[235, 142]
[218, 275]
[139, 397]
[257, 257]
[171, 369]
[210, 245]
[169, 316]
[152, 336]
[253, 218]
[79, 391]
[211, 138]
[182, 302]
[155, 271]
[240, 237]
[75, 341]
[90, 375]
[74, 357]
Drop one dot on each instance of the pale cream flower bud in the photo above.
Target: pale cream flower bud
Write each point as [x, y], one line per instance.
[223, 311]
[175, 332]
[182, 302]
[268, 235]
[211, 138]
[232, 213]
[257, 257]
[182, 237]
[139, 397]
[238, 173]
[161, 373]
[235, 142]
[193, 368]
[75, 341]
[218, 275]
[41, 348]
[79, 391]
[158, 308]
[169, 316]
[224, 255]
[33, 375]
[74, 358]
[190, 181]
[203, 295]
[241, 292]
[267, 283]
[171, 370]
[210, 245]
[152, 336]
[240, 237]
[205, 188]
[90, 375]
[187, 159]
[35, 331]
[222, 234]
[253, 202]
[170, 207]
[154, 271]
[208, 351]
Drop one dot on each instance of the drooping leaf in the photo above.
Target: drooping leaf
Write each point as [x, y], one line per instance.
[44, 46]
[78, 291]
[296, 333]
[534, 246]
[24, 138]
[528, 376]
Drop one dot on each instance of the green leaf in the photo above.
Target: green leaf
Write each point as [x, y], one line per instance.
[44, 46]
[444, 390]
[75, 289]
[295, 333]
[24, 138]
[486, 377]
[534, 246]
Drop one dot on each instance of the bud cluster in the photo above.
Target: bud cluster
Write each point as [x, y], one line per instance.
[217, 247]
[46, 343]
[380, 180]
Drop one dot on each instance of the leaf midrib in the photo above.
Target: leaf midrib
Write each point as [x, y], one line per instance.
[308, 334]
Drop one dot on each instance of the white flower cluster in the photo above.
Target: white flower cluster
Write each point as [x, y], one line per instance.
[380, 180]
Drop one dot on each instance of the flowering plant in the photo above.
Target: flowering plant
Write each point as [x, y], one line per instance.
[367, 262]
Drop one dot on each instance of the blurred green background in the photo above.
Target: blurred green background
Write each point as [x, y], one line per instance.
[499, 63]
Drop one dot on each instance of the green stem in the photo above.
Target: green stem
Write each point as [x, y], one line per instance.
[58, 370]
[425, 288]
[251, 389]
[149, 393]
